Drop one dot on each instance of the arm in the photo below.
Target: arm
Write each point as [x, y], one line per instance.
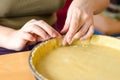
[79, 22]
[5, 34]
[102, 4]
[96, 6]
[106, 25]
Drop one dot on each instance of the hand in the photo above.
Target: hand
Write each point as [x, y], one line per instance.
[32, 32]
[79, 22]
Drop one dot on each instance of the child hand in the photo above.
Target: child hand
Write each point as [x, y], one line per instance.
[32, 32]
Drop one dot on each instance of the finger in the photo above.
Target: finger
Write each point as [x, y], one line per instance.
[67, 22]
[64, 42]
[52, 32]
[83, 30]
[88, 34]
[39, 31]
[74, 26]
[41, 39]
[27, 36]
[33, 42]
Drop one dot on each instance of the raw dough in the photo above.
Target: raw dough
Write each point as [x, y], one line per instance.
[92, 62]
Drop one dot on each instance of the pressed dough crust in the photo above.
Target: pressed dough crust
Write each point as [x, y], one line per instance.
[95, 59]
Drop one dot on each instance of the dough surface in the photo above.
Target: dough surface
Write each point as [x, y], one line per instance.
[81, 63]
[97, 58]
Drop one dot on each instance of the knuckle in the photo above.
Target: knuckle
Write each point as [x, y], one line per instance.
[41, 21]
[33, 20]
[31, 27]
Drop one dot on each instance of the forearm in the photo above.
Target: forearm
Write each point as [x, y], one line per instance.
[5, 34]
[106, 25]
[100, 5]
[93, 5]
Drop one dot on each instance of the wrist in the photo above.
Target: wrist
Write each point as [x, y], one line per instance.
[94, 6]
[6, 38]
[86, 5]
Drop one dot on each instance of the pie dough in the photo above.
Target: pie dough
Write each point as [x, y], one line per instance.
[97, 58]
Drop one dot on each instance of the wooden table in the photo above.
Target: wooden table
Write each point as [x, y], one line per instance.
[15, 67]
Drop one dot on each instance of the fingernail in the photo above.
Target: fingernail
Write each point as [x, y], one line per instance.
[63, 42]
[54, 35]
[69, 40]
[82, 39]
[47, 37]
[59, 35]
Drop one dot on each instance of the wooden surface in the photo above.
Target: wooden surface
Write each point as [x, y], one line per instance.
[15, 67]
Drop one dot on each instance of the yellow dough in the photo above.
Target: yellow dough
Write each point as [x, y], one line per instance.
[94, 59]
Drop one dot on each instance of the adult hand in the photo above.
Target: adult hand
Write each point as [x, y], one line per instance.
[79, 22]
[32, 32]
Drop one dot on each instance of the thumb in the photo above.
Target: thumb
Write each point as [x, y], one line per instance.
[67, 22]
[65, 28]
